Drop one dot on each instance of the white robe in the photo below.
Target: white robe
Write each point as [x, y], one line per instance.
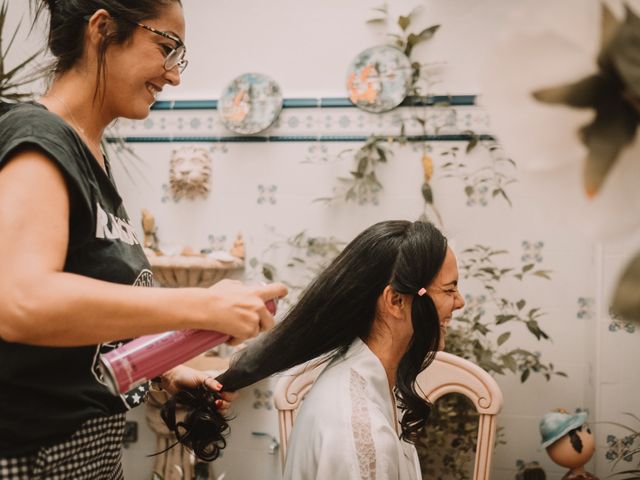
[346, 427]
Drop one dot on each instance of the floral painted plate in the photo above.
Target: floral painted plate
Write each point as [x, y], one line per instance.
[379, 78]
[250, 103]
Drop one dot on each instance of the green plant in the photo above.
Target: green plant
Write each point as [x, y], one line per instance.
[363, 185]
[304, 257]
[613, 93]
[407, 40]
[625, 449]
[13, 80]
[451, 433]
[480, 179]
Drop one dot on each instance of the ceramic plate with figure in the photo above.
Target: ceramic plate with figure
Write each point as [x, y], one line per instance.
[379, 78]
[250, 103]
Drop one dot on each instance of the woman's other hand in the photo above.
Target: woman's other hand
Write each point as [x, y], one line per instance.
[183, 377]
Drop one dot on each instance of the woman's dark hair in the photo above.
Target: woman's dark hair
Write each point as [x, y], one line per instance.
[68, 22]
[340, 306]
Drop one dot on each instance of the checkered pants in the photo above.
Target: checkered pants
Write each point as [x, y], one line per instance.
[93, 452]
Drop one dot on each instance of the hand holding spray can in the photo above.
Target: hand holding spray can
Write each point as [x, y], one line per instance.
[148, 356]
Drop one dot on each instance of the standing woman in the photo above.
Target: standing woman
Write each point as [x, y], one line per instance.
[72, 266]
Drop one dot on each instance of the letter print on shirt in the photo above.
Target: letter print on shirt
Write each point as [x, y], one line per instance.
[133, 397]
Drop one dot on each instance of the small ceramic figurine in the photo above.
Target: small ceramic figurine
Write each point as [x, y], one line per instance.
[569, 442]
[237, 250]
[150, 230]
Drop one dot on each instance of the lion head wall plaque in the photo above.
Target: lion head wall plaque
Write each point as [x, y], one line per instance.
[190, 173]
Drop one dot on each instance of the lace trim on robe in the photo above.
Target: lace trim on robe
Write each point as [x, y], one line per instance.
[361, 425]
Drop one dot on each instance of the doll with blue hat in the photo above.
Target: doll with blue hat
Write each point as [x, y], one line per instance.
[569, 442]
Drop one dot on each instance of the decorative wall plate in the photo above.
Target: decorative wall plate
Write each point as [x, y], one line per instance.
[250, 103]
[379, 78]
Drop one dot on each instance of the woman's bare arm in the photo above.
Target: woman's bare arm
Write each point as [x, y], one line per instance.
[42, 305]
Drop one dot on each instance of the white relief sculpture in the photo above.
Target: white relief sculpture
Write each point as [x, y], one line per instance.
[190, 173]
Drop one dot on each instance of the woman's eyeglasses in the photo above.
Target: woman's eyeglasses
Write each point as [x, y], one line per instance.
[175, 57]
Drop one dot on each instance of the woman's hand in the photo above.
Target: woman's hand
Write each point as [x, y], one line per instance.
[183, 377]
[241, 309]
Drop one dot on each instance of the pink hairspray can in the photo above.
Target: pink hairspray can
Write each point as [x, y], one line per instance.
[148, 356]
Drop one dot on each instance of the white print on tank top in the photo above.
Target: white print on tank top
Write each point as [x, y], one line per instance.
[111, 227]
[135, 396]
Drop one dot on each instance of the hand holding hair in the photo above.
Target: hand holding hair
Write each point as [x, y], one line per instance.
[243, 310]
[204, 427]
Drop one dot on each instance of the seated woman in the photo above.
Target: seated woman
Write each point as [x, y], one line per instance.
[377, 314]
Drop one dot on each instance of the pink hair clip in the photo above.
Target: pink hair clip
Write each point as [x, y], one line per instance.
[422, 291]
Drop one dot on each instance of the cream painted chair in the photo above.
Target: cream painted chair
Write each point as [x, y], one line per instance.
[447, 374]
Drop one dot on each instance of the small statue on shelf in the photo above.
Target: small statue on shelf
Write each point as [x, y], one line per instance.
[569, 442]
[150, 230]
[237, 250]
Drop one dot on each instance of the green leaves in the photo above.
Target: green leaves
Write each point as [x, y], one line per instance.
[414, 39]
[621, 55]
[493, 176]
[613, 92]
[613, 127]
[626, 298]
[427, 193]
[528, 269]
[404, 22]
[406, 40]
[470, 338]
[382, 13]
[11, 81]
[502, 339]
[268, 271]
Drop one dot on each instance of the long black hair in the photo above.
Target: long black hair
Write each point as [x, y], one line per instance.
[68, 22]
[340, 306]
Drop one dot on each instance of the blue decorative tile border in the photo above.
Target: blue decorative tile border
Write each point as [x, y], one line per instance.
[275, 138]
[325, 102]
[438, 118]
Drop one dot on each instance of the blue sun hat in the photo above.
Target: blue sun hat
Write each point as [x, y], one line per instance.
[555, 425]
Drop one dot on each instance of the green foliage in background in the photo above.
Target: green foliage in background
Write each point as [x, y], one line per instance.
[363, 184]
[625, 449]
[613, 93]
[13, 79]
[482, 334]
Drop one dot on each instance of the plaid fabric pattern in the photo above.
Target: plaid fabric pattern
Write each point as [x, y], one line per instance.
[93, 452]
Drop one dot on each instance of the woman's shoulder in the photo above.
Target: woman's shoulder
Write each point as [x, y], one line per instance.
[29, 116]
[32, 123]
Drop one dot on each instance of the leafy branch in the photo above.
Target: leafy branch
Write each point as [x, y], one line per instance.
[12, 80]
[306, 257]
[405, 39]
[494, 177]
[453, 424]
[624, 449]
[362, 184]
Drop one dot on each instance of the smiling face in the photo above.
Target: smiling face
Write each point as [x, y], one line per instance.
[445, 294]
[135, 72]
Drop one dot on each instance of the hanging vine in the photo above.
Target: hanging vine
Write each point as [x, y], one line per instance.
[363, 184]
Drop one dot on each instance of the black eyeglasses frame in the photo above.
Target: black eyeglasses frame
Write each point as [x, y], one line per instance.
[179, 51]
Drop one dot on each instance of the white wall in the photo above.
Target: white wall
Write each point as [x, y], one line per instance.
[306, 47]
